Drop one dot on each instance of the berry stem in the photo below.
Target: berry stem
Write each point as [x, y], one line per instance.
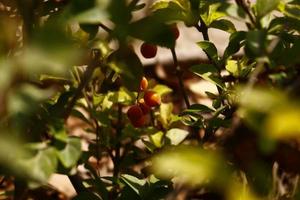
[180, 80]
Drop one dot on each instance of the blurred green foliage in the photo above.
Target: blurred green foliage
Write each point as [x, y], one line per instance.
[63, 61]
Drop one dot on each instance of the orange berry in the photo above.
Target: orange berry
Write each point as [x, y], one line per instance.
[143, 84]
[148, 50]
[145, 108]
[134, 113]
[152, 99]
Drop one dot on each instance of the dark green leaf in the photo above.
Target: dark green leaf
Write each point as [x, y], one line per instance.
[129, 67]
[234, 45]
[208, 72]
[154, 31]
[91, 29]
[224, 25]
[197, 108]
[210, 49]
[255, 43]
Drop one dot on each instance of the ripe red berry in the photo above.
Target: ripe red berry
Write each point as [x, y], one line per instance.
[139, 122]
[175, 31]
[143, 84]
[152, 99]
[148, 50]
[145, 108]
[134, 113]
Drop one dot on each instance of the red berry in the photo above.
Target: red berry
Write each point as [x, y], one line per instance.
[148, 50]
[134, 113]
[139, 122]
[145, 108]
[143, 84]
[152, 99]
[175, 31]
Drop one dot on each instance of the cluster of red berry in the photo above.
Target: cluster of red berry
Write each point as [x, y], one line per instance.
[150, 50]
[137, 113]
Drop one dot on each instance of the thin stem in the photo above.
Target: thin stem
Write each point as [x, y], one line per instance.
[202, 28]
[104, 27]
[95, 54]
[179, 76]
[152, 118]
[86, 77]
[246, 8]
[118, 145]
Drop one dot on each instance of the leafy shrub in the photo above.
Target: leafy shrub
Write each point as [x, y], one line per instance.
[64, 60]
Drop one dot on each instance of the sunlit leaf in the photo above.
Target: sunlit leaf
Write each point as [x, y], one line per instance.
[165, 113]
[176, 135]
[208, 72]
[42, 165]
[134, 183]
[156, 139]
[263, 7]
[190, 165]
[210, 49]
[284, 123]
[161, 89]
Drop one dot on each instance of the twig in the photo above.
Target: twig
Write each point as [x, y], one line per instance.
[104, 27]
[179, 76]
[86, 77]
[95, 55]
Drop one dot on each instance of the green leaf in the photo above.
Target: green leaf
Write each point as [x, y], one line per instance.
[224, 25]
[134, 183]
[197, 108]
[168, 10]
[208, 72]
[232, 67]
[255, 43]
[123, 96]
[42, 165]
[152, 30]
[210, 50]
[280, 24]
[232, 10]
[263, 7]
[290, 10]
[191, 165]
[165, 110]
[91, 16]
[211, 13]
[129, 67]
[235, 43]
[176, 135]
[71, 152]
[161, 89]
[156, 139]
[175, 10]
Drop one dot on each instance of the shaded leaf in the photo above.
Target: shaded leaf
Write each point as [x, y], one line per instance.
[71, 152]
[224, 25]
